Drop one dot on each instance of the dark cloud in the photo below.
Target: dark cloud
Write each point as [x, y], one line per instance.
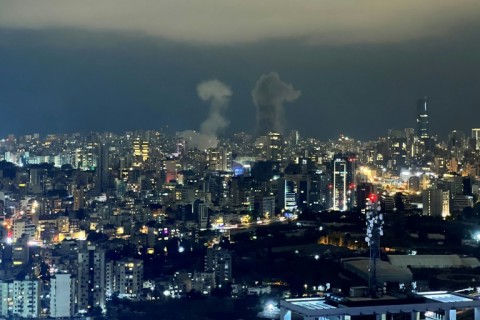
[243, 21]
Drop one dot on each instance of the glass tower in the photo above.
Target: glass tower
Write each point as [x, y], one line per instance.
[422, 119]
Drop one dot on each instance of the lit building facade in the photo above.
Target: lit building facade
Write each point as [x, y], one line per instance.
[274, 147]
[91, 279]
[343, 183]
[289, 195]
[26, 298]
[62, 296]
[6, 298]
[21, 227]
[141, 151]
[125, 278]
[436, 202]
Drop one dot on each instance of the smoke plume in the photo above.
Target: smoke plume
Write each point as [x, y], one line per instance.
[218, 94]
[269, 95]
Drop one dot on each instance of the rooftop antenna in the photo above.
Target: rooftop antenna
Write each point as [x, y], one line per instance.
[374, 232]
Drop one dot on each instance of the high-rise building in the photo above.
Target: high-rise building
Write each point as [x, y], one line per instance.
[414, 183]
[343, 183]
[476, 137]
[141, 151]
[241, 193]
[274, 147]
[364, 190]
[436, 202]
[86, 157]
[125, 278]
[21, 251]
[78, 198]
[422, 119]
[219, 261]
[62, 296]
[219, 159]
[267, 206]
[102, 171]
[6, 298]
[451, 182]
[26, 298]
[172, 167]
[200, 209]
[289, 195]
[91, 279]
[397, 143]
[456, 140]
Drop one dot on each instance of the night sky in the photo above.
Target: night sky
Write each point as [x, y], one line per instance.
[125, 65]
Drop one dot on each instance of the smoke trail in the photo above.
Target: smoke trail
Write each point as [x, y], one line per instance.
[269, 94]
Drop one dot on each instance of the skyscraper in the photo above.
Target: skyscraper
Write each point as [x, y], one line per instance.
[422, 119]
[343, 173]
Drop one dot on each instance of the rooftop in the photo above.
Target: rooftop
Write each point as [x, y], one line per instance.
[419, 302]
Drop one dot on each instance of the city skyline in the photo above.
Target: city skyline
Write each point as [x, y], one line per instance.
[71, 73]
[239, 159]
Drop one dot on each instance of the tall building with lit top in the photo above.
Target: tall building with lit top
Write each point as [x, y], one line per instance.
[422, 119]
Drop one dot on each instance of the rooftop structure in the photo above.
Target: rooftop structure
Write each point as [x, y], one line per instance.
[429, 305]
[433, 261]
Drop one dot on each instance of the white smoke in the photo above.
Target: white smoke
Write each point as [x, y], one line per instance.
[218, 94]
[195, 139]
